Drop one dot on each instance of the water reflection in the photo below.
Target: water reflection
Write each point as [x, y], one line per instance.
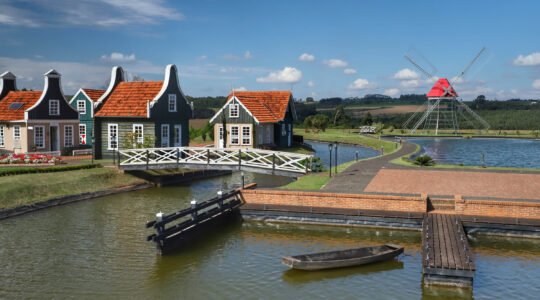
[346, 153]
[520, 153]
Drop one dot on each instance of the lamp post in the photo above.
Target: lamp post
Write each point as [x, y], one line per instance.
[330, 150]
[335, 148]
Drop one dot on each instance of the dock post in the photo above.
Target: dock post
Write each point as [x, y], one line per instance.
[159, 218]
[242, 180]
[220, 202]
[239, 159]
[147, 158]
[207, 156]
[194, 213]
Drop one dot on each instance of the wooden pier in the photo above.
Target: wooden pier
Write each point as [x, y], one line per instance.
[192, 222]
[446, 256]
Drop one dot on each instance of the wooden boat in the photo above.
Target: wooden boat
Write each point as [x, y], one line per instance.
[343, 258]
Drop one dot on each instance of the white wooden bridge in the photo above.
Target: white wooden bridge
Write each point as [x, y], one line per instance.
[250, 160]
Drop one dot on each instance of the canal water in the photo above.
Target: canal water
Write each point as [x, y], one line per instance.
[97, 249]
[519, 153]
[346, 153]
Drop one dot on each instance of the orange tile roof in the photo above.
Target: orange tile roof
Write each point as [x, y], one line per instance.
[129, 99]
[267, 106]
[93, 94]
[28, 98]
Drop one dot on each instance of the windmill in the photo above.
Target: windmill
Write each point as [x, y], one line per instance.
[443, 105]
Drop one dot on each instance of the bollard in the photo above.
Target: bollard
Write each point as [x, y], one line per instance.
[220, 202]
[356, 155]
[159, 218]
[194, 206]
[382, 151]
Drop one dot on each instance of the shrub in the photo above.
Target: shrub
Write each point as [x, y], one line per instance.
[424, 160]
[30, 170]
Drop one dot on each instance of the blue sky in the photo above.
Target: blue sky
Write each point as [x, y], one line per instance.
[317, 48]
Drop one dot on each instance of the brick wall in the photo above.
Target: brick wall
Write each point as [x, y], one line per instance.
[333, 200]
[491, 208]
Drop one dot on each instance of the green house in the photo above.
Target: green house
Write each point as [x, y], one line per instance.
[145, 110]
[83, 101]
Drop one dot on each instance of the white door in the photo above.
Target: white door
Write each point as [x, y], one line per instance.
[177, 135]
[221, 142]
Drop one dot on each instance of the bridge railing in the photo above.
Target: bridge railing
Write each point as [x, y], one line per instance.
[247, 157]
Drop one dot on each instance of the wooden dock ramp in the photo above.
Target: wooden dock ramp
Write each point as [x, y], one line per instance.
[446, 256]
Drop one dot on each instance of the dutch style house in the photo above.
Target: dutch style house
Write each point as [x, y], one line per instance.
[155, 109]
[255, 119]
[83, 101]
[36, 121]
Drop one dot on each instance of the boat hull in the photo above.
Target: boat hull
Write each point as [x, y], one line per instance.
[344, 258]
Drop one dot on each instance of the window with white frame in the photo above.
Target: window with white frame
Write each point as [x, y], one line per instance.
[246, 135]
[177, 134]
[233, 110]
[164, 135]
[138, 131]
[2, 143]
[54, 107]
[39, 136]
[172, 102]
[235, 139]
[17, 133]
[81, 107]
[68, 136]
[113, 137]
[283, 131]
[82, 134]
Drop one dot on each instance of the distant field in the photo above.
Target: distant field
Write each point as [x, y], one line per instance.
[357, 111]
[197, 123]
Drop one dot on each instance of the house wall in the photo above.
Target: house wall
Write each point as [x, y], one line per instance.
[280, 138]
[86, 118]
[160, 114]
[9, 145]
[228, 144]
[53, 91]
[61, 125]
[125, 126]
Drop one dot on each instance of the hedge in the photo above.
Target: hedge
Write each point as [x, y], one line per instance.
[29, 170]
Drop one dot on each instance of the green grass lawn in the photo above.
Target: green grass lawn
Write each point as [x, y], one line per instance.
[315, 181]
[343, 136]
[31, 188]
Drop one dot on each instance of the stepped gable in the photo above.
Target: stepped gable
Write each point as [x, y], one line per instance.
[129, 99]
[439, 89]
[266, 106]
[27, 98]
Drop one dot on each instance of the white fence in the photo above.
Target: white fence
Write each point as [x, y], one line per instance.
[253, 160]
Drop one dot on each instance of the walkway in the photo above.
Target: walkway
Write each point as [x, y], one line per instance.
[357, 177]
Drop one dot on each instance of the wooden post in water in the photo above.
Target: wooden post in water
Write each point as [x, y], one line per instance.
[208, 156]
[220, 202]
[194, 213]
[242, 180]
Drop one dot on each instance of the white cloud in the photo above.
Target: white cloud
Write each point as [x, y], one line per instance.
[247, 55]
[313, 94]
[105, 13]
[361, 83]
[287, 75]
[240, 89]
[536, 84]
[407, 84]
[532, 59]
[335, 63]
[406, 74]
[457, 79]
[391, 92]
[202, 57]
[310, 83]
[117, 57]
[306, 57]
[349, 71]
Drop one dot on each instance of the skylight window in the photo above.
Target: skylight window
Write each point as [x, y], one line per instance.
[15, 105]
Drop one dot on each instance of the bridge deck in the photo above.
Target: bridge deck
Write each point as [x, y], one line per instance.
[447, 259]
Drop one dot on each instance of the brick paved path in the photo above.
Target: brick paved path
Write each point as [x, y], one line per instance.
[475, 184]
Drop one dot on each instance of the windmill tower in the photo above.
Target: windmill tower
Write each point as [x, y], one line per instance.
[444, 106]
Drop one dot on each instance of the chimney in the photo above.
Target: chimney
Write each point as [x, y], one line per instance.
[7, 84]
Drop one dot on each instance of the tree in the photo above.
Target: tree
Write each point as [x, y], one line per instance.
[309, 100]
[308, 122]
[367, 119]
[339, 113]
[320, 121]
[479, 101]
[137, 78]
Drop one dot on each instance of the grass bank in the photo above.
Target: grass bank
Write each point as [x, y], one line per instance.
[32, 188]
[345, 136]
